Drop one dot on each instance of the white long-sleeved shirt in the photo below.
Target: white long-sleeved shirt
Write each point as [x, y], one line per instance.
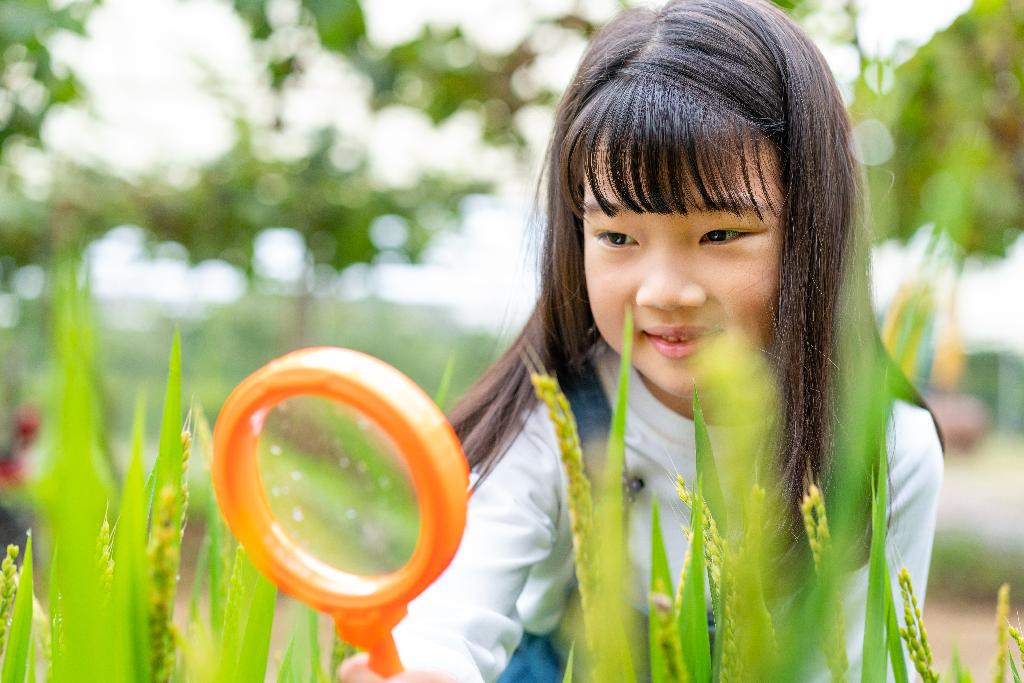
[513, 569]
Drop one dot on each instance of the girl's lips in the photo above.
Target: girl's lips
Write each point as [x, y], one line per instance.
[673, 349]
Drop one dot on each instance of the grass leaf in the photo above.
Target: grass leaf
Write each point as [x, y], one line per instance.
[892, 636]
[167, 469]
[129, 590]
[958, 673]
[19, 641]
[289, 673]
[706, 468]
[613, 635]
[660, 573]
[446, 379]
[693, 616]
[252, 658]
[567, 677]
[75, 519]
[874, 654]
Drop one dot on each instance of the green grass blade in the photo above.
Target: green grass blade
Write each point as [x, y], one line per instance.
[693, 616]
[957, 671]
[660, 573]
[216, 567]
[252, 658]
[301, 662]
[167, 470]
[706, 468]
[874, 657]
[30, 676]
[130, 588]
[53, 601]
[446, 380]
[76, 514]
[612, 627]
[892, 636]
[236, 594]
[289, 673]
[16, 659]
[312, 641]
[567, 677]
[1013, 668]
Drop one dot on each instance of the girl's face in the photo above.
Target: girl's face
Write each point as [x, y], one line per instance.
[685, 277]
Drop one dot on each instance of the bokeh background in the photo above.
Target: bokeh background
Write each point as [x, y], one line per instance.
[273, 174]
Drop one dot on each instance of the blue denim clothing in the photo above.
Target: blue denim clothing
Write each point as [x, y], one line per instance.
[535, 661]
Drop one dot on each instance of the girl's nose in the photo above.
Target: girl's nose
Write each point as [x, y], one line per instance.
[669, 288]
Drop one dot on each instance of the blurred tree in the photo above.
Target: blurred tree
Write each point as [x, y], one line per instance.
[332, 203]
[948, 132]
[29, 85]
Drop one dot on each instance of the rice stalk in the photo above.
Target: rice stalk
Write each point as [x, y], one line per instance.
[667, 635]
[162, 557]
[186, 453]
[818, 536]
[105, 559]
[1017, 638]
[914, 634]
[731, 669]
[1002, 632]
[581, 508]
[712, 542]
[9, 579]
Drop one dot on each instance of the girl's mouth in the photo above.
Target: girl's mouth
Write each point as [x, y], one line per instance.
[673, 347]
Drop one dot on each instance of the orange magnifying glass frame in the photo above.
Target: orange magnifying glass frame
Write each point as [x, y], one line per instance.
[364, 608]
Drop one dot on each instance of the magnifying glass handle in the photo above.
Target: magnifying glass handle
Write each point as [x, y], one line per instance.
[384, 658]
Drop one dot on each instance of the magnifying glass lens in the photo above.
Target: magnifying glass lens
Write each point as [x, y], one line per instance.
[338, 486]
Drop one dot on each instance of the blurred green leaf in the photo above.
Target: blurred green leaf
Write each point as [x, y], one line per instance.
[660, 574]
[18, 650]
[693, 616]
[130, 589]
[874, 658]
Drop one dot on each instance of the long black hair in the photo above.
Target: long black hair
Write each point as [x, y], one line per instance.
[666, 109]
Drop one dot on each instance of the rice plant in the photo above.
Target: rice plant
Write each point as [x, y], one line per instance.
[113, 553]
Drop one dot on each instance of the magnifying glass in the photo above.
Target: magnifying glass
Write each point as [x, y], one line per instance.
[345, 484]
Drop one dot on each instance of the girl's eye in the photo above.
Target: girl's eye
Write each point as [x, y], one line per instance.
[722, 235]
[616, 239]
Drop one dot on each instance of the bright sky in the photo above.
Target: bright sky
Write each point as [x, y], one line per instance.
[164, 75]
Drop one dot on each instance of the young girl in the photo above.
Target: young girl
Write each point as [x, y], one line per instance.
[700, 172]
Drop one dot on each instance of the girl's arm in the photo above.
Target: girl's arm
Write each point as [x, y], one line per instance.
[467, 624]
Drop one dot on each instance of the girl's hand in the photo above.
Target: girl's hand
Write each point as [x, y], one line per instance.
[357, 670]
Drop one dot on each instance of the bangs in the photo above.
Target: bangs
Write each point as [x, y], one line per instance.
[648, 146]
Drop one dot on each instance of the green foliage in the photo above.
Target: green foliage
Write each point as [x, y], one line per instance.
[956, 119]
[693, 619]
[661, 576]
[19, 643]
[131, 651]
[878, 587]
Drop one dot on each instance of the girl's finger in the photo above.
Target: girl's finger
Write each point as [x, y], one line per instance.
[356, 669]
